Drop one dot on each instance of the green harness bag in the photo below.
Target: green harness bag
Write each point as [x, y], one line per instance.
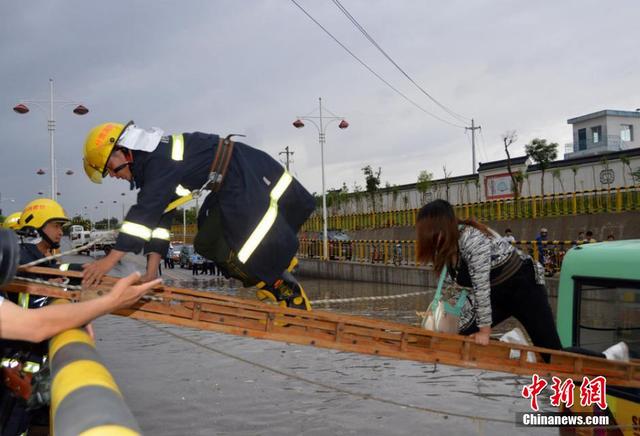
[442, 316]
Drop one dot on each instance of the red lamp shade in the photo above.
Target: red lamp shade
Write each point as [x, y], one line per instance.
[343, 124]
[80, 110]
[21, 109]
[298, 124]
[40, 172]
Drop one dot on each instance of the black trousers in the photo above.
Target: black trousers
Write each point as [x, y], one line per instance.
[525, 300]
[211, 244]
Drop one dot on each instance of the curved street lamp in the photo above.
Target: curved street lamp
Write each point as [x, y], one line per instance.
[322, 127]
[22, 108]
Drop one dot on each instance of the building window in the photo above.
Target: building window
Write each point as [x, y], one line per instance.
[626, 132]
[596, 134]
[582, 139]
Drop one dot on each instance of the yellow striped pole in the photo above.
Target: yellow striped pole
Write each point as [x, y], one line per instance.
[85, 399]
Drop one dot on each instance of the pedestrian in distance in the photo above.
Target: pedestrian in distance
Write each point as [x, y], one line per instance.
[508, 236]
[541, 240]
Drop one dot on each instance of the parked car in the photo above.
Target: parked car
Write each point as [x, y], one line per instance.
[175, 253]
[185, 256]
[340, 246]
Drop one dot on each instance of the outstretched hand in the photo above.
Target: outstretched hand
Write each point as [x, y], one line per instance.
[124, 294]
[94, 271]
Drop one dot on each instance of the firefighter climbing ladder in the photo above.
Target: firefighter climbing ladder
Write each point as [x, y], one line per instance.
[251, 318]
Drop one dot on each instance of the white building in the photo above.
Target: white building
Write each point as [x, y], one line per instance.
[604, 131]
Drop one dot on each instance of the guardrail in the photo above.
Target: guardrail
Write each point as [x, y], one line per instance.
[403, 253]
[85, 399]
[620, 199]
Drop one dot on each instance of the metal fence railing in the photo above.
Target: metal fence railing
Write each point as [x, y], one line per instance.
[403, 253]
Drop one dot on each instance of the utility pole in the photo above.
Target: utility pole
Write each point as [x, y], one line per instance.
[287, 153]
[473, 129]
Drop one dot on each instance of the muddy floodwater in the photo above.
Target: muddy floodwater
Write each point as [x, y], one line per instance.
[180, 381]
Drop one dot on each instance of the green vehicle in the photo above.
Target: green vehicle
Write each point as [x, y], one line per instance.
[607, 277]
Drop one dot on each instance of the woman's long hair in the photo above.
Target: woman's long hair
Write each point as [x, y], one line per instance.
[437, 234]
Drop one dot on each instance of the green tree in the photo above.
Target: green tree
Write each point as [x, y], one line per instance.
[557, 175]
[626, 162]
[79, 220]
[372, 183]
[190, 216]
[543, 154]
[357, 194]
[574, 170]
[395, 193]
[508, 138]
[446, 180]
[425, 182]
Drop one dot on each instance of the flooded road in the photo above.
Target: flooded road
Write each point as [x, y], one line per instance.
[183, 381]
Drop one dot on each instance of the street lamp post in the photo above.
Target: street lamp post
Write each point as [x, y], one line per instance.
[184, 225]
[122, 201]
[321, 126]
[22, 108]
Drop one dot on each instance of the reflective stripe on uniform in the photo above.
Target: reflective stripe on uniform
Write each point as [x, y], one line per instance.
[64, 267]
[160, 233]
[27, 366]
[177, 147]
[23, 300]
[137, 230]
[267, 220]
[182, 191]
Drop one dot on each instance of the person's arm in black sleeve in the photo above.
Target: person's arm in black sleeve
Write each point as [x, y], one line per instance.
[161, 235]
[158, 189]
[157, 247]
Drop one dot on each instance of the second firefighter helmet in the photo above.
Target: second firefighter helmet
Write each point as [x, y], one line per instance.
[12, 222]
[98, 147]
[39, 212]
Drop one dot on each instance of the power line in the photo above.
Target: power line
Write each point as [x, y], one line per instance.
[376, 45]
[372, 71]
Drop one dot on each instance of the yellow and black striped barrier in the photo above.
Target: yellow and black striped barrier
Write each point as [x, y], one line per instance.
[85, 399]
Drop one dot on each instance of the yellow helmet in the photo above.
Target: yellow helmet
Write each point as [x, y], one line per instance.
[41, 211]
[12, 222]
[98, 148]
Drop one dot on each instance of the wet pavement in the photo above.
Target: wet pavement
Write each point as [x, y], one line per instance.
[184, 381]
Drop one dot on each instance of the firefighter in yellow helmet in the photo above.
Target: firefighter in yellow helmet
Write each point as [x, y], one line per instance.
[41, 224]
[248, 222]
[12, 222]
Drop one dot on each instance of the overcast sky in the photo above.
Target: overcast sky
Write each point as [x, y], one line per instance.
[251, 66]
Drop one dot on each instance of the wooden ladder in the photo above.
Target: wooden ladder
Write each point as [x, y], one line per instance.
[251, 318]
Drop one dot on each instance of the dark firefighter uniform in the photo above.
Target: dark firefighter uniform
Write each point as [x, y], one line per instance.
[248, 227]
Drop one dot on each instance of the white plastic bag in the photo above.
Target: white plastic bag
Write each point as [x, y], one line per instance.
[516, 336]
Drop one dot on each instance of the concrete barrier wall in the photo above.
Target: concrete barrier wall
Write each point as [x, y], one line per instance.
[387, 274]
[363, 272]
